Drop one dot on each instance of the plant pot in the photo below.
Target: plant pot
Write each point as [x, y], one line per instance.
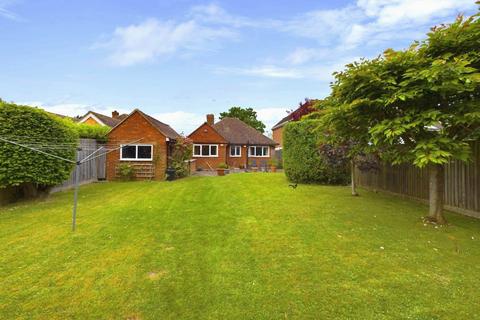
[273, 168]
[220, 172]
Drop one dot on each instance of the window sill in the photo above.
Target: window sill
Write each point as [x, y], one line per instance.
[137, 160]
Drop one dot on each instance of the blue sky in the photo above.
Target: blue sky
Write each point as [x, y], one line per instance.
[178, 60]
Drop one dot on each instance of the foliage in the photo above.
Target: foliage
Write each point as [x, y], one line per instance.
[96, 132]
[419, 106]
[222, 166]
[39, 129]
[126, 171]
[247, 115]
[154, 244]
[182, 151]
[303, 159]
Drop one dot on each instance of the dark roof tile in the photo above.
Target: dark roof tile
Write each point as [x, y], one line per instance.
[236, 131]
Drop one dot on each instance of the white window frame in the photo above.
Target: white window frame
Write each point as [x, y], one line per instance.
[136, 152]
[253, 155]
[209, 150]
[236, 147]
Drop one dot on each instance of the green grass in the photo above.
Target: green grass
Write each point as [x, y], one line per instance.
[244, 246]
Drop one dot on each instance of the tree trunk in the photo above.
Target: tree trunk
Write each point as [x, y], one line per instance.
[436, 190]
[352, 174]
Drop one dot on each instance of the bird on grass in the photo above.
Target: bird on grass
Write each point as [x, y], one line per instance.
[293, 186]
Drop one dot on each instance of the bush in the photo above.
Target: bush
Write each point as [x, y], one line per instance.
[182, 151]
[31, 170]
[126, 171]
[222, 166]
[303, 158]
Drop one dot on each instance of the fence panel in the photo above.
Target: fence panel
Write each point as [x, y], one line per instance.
[462, 182]
[90, 171]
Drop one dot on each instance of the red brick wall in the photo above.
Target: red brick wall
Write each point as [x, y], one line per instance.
[133, 128]
[277, 136]
[205, 134]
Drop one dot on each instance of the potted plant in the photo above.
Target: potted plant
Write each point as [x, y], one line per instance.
[273, 165]
[222, 167]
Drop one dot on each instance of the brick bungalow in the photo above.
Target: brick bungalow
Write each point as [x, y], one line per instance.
[149, 155]
[230, 141]
[304, 109]
[95, 118]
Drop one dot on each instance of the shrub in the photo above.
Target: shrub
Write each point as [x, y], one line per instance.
[222, 166]
[31, 170]
[303, 159]
[182, 151]
[126, 171]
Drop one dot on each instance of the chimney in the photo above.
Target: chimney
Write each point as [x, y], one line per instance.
[115, 114]
[210, 119]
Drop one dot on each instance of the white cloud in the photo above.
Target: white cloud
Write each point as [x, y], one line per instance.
[301, 56]
[5, 12]
[182, 121]
[153, 38]
[73, 109]
[390, 12]
[270, 116]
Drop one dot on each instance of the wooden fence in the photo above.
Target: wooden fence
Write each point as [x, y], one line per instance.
[90, 171]
[462, 183]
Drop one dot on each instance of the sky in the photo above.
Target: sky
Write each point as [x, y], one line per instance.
[178, 60]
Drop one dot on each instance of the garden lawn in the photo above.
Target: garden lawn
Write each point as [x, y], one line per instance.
[243, 246]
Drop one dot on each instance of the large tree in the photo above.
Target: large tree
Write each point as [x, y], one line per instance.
[247, 115]
[417, 106]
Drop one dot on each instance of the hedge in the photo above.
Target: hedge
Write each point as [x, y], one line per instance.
[35, 127]
[302, 160]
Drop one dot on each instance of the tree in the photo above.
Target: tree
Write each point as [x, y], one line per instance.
[417, 106]
[26, 169]
[247, 115]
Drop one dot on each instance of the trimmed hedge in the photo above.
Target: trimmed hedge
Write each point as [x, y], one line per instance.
[22, 167]
[303, 160]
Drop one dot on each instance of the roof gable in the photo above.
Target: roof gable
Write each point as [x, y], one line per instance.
[206, 133]
[100, 118]
[163, 128]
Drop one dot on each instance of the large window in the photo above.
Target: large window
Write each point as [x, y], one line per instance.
[136, 152]
[235, 151]
[258, 151]
[205, 150]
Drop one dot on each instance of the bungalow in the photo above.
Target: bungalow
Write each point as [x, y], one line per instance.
[146, 144]
[304, 109]
[230, 141]
[95, 118]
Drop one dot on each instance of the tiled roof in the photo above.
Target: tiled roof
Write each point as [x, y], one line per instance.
[108, 121]
[236, 131]
[162, 127]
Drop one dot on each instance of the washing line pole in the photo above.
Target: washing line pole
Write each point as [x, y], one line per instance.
[77, 163]
[75, 196]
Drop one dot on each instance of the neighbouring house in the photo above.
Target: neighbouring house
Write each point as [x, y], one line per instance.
[95, 118]
[146, 144]
[304, 109]
[230, 141]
